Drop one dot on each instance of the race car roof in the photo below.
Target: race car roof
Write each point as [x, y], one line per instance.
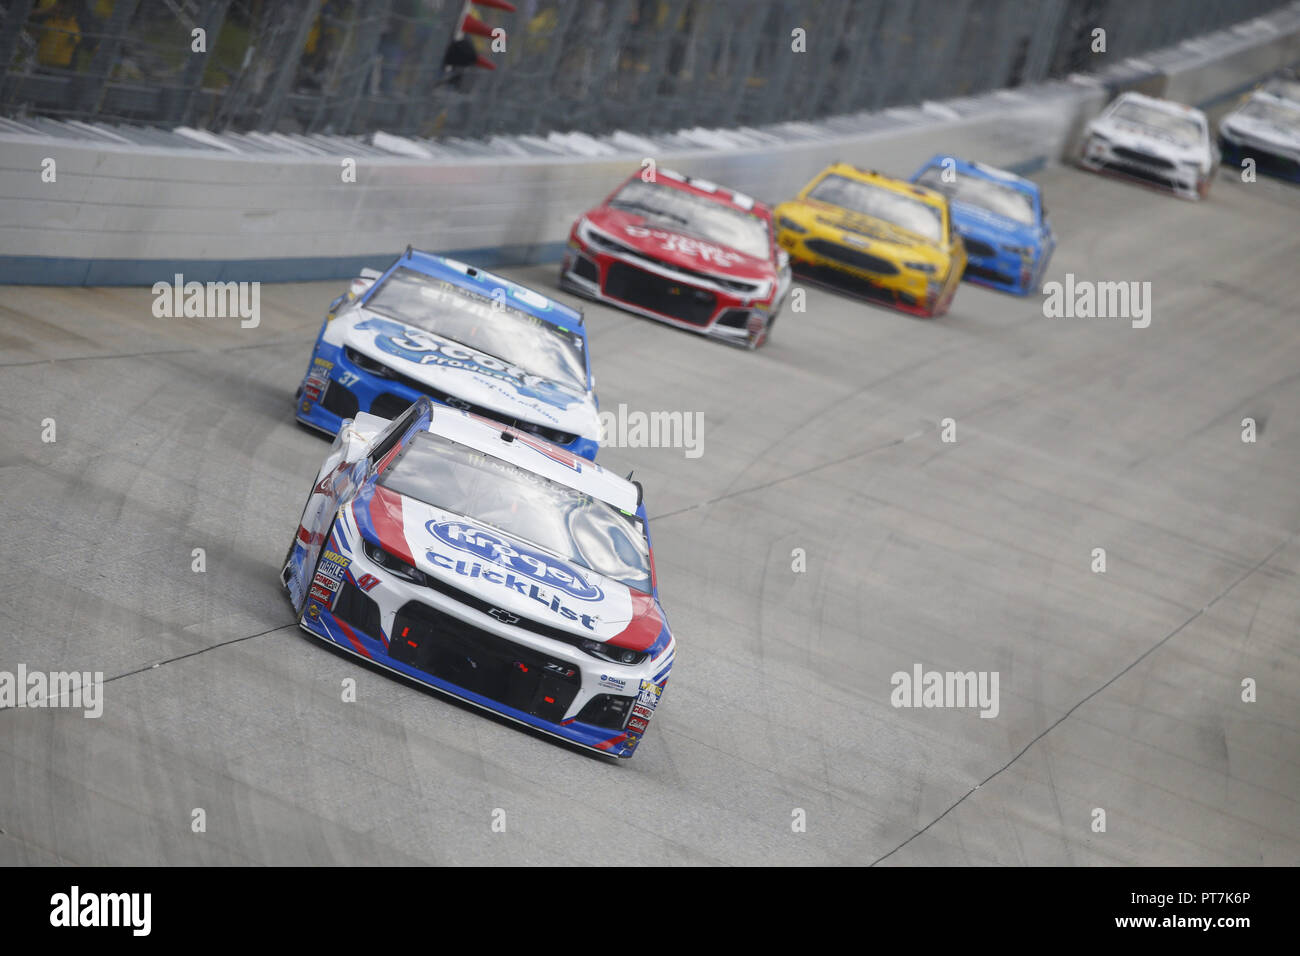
[1167, 106]
[535, 455]
[903, 187]
[485, 283]
[984, 170]
[728, 197]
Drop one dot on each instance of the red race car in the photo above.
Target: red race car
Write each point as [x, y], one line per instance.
[684, 251]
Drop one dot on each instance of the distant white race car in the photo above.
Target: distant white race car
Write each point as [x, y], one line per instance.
[1265, 129]
[1154, 141]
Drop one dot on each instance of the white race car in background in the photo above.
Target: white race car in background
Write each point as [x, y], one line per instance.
[1155, 141]
[1265, 129]
[1285, 86]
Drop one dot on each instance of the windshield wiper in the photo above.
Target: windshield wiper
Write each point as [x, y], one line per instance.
[649, 210]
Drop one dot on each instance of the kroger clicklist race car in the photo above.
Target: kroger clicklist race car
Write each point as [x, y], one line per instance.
[885, 239]
[1153, 141]
[683, 251]
[1266, 128]
[1001, 220]
[479, 560]
[435, 327]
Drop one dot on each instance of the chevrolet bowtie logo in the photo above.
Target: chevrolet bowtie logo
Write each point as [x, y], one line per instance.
[505, 617]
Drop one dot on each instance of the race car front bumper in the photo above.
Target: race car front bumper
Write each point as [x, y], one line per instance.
[994, 265]
[363, 608]
[658, 292]
[1183, 179]
[1269, 160]
[847, 269]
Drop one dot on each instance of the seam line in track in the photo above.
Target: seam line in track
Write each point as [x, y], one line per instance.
[172, 660]
[1060, 720]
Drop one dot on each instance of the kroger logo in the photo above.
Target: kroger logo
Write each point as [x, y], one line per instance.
[514, 557]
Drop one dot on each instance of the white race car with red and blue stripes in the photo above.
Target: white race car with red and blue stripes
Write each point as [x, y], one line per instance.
[489, 564]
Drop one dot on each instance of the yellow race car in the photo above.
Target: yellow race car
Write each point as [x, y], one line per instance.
[883, 238]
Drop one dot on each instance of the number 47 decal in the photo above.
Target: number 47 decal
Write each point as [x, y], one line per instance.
[367, 581]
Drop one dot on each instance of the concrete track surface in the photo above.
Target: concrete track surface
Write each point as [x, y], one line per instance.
[1119, 690]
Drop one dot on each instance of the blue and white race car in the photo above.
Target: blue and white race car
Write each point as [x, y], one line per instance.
[481, 561]
[431, 326]
[1001, 219]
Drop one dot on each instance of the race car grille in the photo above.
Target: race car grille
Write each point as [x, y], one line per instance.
[851, 257]
[844, 281]
[1157, 177]
[735, 318]
[649, 291]
[989, 275]
[977, 248]
[482, 663]
[527, 624]
[1271, 164]
[487, 607]
[737, 286]
[586, 269]
[390, 404]
[340, 400]
[606, 710]
[1137, 156]
[359, 610]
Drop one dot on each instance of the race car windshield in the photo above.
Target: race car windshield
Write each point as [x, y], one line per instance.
[569, 524]
[906, 213]
[1181, 129]
[1287, 89]
[998, 198]
[1274, 112]
[484, 324]
[684, 211]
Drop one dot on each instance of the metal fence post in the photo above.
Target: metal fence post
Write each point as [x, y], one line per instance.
[1043, 39]
[743, 62]
[212, 19]
[366, 52]
[86, 92]
[14, 22]
[286, 69]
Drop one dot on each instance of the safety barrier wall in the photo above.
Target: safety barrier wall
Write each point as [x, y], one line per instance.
[122, 213]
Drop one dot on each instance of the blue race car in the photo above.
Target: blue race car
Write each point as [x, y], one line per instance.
[431, 326]
[1001, 220]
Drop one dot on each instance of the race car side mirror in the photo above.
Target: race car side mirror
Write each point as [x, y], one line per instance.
[782, 259]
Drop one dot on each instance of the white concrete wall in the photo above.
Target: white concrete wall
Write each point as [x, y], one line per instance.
[123, 213]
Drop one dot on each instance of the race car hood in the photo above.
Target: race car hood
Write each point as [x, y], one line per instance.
[1150, 139]
[511, 575]
[857, 227]
[659, 240]
[1276, 137]
[484, 380]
